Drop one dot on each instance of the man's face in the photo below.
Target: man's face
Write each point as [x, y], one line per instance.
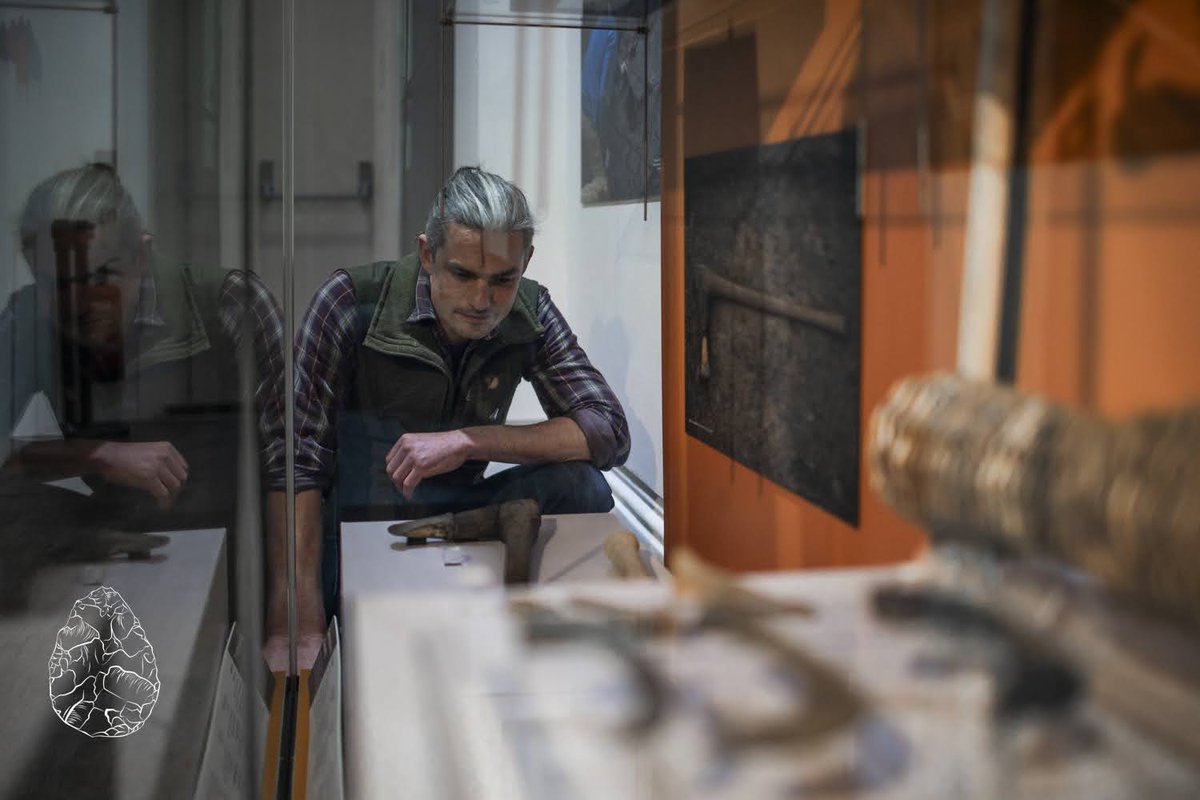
[473, 279]
[104, 313]
[109, 313]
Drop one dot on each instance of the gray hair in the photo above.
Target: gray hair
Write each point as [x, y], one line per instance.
[481, 201]
[92, 194]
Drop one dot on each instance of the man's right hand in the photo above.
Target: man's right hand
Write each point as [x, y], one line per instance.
[154, 467]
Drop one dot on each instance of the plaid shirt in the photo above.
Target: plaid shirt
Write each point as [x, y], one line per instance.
[246, 305]
[327, 343]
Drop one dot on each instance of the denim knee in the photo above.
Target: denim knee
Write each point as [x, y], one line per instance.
[571, 487]
[589, 491]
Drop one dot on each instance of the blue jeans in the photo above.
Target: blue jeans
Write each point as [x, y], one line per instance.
[570, 487]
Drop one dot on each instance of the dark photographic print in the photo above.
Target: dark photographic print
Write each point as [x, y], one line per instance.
[621, 132]
[773, 313]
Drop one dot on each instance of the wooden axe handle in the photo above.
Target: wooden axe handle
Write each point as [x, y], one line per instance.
[622, 550]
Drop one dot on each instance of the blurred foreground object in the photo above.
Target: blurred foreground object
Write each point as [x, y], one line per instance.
[986, 464]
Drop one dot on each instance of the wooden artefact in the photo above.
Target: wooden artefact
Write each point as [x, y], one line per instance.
[985, 463]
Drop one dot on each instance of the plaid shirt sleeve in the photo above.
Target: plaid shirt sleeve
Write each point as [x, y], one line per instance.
[263, 319]
[325, 361]
[567, 384]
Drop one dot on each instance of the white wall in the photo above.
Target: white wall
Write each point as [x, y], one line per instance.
[56, 113]
[347, 109]
[517, 113]
[56, 116]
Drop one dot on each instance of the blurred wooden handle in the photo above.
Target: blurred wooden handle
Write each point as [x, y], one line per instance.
[622, 550]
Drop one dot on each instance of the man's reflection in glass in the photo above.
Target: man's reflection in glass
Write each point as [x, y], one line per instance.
[135, 357]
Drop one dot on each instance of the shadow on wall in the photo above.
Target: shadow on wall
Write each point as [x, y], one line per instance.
[643, 458]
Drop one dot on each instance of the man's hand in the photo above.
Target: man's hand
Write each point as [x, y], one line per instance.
[153, 467]
[308, 647]
[417, 456]
[310, 606]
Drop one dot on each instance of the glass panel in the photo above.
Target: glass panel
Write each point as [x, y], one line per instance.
[141, 374]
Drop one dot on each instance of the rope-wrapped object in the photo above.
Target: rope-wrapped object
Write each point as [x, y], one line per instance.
[978, 461]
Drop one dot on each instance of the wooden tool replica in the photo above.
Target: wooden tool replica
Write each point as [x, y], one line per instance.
[515, 523]
[625, 555]
[713, 288]
[708, 600]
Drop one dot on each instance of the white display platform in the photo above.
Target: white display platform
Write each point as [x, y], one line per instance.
[179, 595]
[376, 564]
[448, 701]
[569, 548]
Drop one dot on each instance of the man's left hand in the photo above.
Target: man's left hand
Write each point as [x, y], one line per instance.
[417, 456]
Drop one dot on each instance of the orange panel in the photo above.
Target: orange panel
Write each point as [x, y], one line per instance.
[727, 512]
[1108, 316]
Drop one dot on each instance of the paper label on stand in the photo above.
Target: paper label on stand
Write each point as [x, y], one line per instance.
[325, 721]
[224, 769]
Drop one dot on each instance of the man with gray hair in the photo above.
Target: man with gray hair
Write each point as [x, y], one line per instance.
[405, 372]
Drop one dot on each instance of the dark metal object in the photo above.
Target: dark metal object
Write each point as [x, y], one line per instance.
[1031, 675]
[364, 188]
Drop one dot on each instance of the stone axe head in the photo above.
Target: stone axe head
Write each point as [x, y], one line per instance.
[515, 523]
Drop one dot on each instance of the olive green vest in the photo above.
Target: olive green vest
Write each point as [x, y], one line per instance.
[187, 302]
[403, 373]
[189, 370]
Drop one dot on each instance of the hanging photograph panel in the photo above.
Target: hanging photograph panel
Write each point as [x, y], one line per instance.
[773, 313]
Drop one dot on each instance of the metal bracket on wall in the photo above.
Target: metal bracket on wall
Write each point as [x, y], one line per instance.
[364, 189]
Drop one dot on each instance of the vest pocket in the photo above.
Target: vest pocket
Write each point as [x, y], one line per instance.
[490, 393]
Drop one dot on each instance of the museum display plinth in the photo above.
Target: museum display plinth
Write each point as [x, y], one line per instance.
[178, 594]
[452, 698]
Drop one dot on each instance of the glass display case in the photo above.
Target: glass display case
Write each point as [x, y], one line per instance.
[350, 352]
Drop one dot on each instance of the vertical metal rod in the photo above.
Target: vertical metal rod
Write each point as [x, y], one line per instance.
[116, 108]
[645, 110]
[248, 174]
[860, 192]
[288, 163]
[405, 122]
[923, 177]
[1018, 211]
[1089, 282]
[447, 29]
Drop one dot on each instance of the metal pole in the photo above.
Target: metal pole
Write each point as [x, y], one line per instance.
[112, 12]
[289, 292]
[645, 31]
